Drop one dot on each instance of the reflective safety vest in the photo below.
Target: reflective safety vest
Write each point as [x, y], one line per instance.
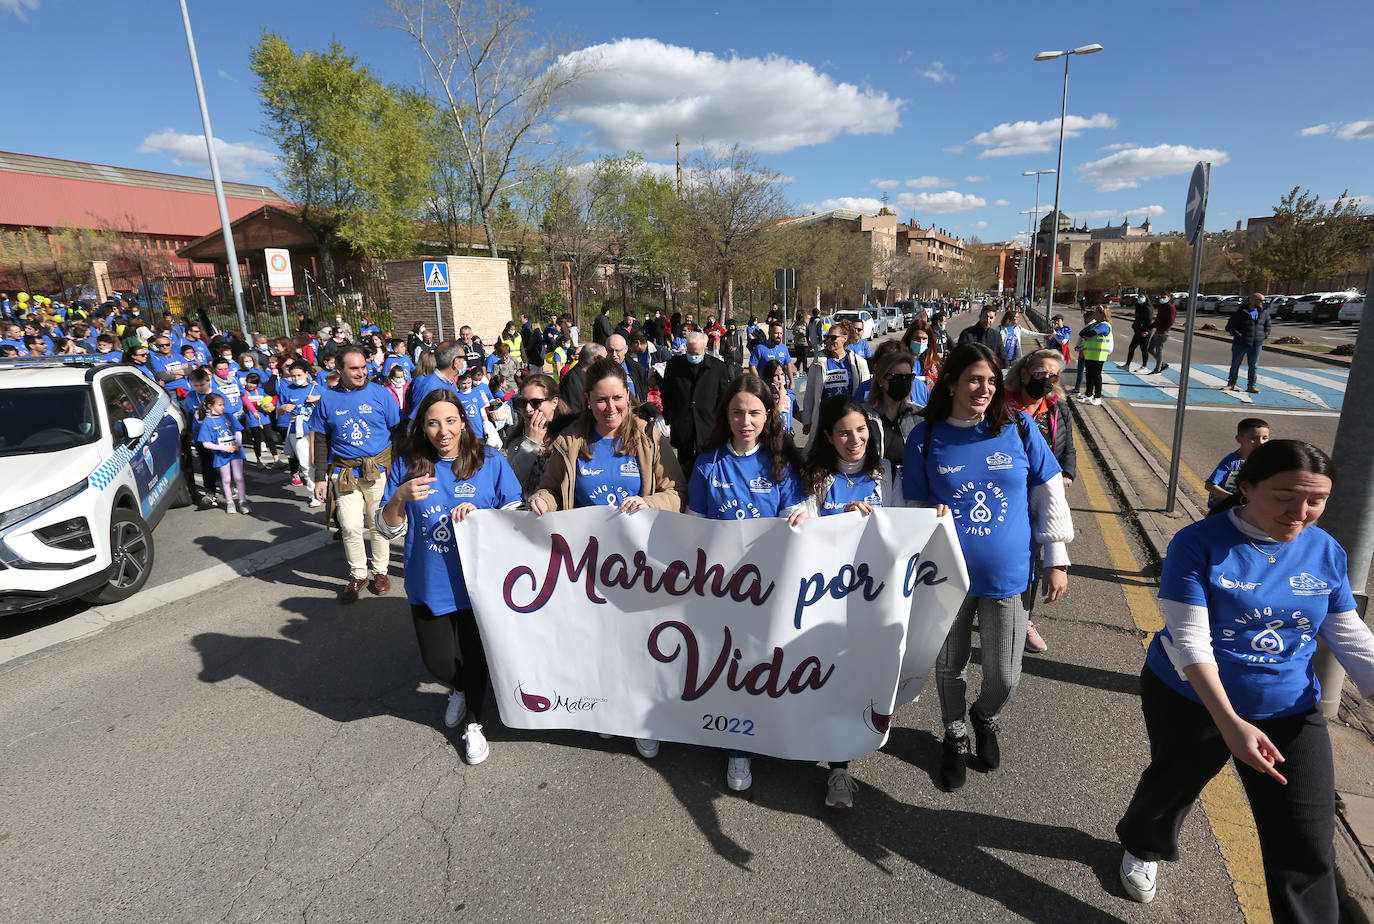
[1097, 342]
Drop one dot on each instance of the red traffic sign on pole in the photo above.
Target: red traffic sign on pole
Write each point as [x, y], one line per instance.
[279, 281]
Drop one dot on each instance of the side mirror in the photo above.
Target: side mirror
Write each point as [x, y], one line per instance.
[133, 429]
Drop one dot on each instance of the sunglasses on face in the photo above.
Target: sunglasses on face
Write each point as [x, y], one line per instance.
[534, 403]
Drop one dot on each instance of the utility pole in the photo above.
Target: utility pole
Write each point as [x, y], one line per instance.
[1349, 516]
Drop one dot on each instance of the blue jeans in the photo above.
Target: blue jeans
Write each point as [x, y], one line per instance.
[1251, 357]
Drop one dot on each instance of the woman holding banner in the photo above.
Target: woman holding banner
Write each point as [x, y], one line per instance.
[998, 476]
[844, 473]
[440, 461]
[746, 470]
[610, 457]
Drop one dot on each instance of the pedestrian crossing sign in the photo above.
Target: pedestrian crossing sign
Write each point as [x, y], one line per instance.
[436, 276]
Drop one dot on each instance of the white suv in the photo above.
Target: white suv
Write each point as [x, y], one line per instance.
[89, 462]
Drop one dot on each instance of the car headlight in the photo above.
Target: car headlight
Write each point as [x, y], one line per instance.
[33, 508]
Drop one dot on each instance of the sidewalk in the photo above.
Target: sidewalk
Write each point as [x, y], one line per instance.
[1140, 480]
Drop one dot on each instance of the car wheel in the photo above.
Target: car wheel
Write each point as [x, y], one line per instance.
[181, 494]
[131, 558]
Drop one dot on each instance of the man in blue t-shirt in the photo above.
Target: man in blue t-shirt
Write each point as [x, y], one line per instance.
[1251, 433]
[773, 349]
[352, 426]
[168, 368]
[449, 364]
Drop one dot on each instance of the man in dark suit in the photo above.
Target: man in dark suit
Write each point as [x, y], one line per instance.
[619, 351]
[692, 385]
[984, 332]
[571, 386]
[601, 327]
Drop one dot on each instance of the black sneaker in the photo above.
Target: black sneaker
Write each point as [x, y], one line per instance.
[206, 502]
[985, 734]
[954, 764]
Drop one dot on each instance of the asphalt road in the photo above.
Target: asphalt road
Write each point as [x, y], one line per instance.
[257, 752]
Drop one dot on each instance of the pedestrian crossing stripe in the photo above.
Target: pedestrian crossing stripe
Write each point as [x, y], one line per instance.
[1280, 387]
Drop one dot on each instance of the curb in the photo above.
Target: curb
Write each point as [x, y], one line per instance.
[1340, 361]
[1354, 867]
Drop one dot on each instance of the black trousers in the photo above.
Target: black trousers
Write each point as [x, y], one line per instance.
[451, 648]
[209, 476]
[1141, 340]
[1093, 376]
[1296, 822]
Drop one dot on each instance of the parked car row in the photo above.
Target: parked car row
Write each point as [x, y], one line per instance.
[1315, 307]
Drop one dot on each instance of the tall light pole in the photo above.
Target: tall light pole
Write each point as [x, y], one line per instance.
[1063, 112]
[1035, 234]
[1029, 290]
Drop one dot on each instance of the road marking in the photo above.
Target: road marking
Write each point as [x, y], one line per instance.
[99, 618]
[1206, 379]
[1223, 800]
[1271, 411]
[1190, 477]
[1333, 380]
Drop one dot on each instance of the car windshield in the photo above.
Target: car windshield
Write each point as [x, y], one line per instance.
[46, 419]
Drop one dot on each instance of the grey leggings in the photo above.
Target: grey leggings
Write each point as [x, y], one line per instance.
[1002, 635]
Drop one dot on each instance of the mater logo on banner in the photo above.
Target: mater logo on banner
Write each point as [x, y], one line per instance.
[798, 643]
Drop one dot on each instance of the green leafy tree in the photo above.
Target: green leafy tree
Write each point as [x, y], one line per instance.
[354, 154]
[1308, 240]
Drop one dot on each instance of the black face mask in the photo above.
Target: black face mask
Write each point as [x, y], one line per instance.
[1038, 388]
[899, 386]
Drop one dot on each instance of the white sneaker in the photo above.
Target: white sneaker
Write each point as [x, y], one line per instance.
[1095, 401]
[839, 789]
[737, 775]
[475, 744]
[315, 501]
[647, 748]
[229, 507]
[457, 708]
[1138, 877]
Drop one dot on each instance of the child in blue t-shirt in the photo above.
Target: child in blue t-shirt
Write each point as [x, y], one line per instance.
[222, 436]
[1251, 433]
[257, 416]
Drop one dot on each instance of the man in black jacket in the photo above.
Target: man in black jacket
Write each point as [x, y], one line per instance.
[692, 385]
[984, 332]
[619, 351]
[570, 388]
[1248, 327]
[601, 327]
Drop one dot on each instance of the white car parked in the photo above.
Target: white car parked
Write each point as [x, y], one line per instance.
[90, 460]
[862, 321]
[1352, 312]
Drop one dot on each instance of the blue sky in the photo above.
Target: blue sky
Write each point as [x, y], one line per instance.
[941, 107]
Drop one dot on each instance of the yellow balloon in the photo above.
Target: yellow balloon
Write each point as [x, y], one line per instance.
[23, 297]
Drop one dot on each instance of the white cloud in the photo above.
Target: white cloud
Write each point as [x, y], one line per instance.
[1125, 169]
[1002, 202]
[904, 56]
[225, 75]
[1120, 146]
[975, 179]
[1364, 202]
[927, 182]
[857, 203]
[17, 7]
[937, 72]
[978, 225]
[885, 184]
[940, 203]
[1352, 130]
[1145, 211]
[1322, 129]
[1012, 138]
[644, 92]
[237, 159]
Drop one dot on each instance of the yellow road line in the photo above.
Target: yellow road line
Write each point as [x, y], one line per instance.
[1223, 800]
[1189, 476]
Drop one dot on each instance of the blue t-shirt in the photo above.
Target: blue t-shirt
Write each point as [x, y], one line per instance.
[837, 379]
[220, 429]
[473, 401]
[1224, 476]
[202, 351]
[726, 486]
[1264, 615]
[425, 384]
[322, 376]
[860, 347]
[405, 362]
[251, 414]
[763, 352]
[847, 489]
[233, 395]
[606, 479]
[434, 575]
[18, 346]
[298, 418]
[985, 481]
[174, 365]
[358, 423]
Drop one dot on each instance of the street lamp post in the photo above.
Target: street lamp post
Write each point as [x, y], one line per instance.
[1035, 237]
[1063, 113]
[1028, 290]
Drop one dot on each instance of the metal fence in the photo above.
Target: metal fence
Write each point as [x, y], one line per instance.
[360, 296]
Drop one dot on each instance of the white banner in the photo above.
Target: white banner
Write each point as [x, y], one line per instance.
[797, 643]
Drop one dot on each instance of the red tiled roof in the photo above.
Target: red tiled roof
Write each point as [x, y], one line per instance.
[46, 192]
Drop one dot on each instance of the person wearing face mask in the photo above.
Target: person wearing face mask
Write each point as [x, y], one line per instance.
[477, 399]
[920, 342]
[342, 331]
[939, 334]
[896, 415]
[693, 382]
[297, 396]
[227, 384]
[1033, 388]
[395, 382]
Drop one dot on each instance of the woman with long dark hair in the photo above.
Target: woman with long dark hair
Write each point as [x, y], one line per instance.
[896, 415]
[844, 473]
[442, 474]
[1246, 594]
[983, 461]
[747, 470]
[919, 341]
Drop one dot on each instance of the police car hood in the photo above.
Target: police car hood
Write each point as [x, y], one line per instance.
[31, 476]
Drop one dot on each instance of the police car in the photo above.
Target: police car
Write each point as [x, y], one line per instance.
[89, 462]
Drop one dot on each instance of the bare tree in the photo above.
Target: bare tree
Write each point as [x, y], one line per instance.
[498, 82]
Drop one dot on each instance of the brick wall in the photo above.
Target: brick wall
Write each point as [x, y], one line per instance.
[479, 296]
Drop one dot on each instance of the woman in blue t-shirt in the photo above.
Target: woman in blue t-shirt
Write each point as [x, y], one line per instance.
[1246, 594]
[997, 476]
[844, 473]
[747, 470]
[442, 474]
[774, 375]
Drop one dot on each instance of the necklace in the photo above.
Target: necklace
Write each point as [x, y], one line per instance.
[1269, 555]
